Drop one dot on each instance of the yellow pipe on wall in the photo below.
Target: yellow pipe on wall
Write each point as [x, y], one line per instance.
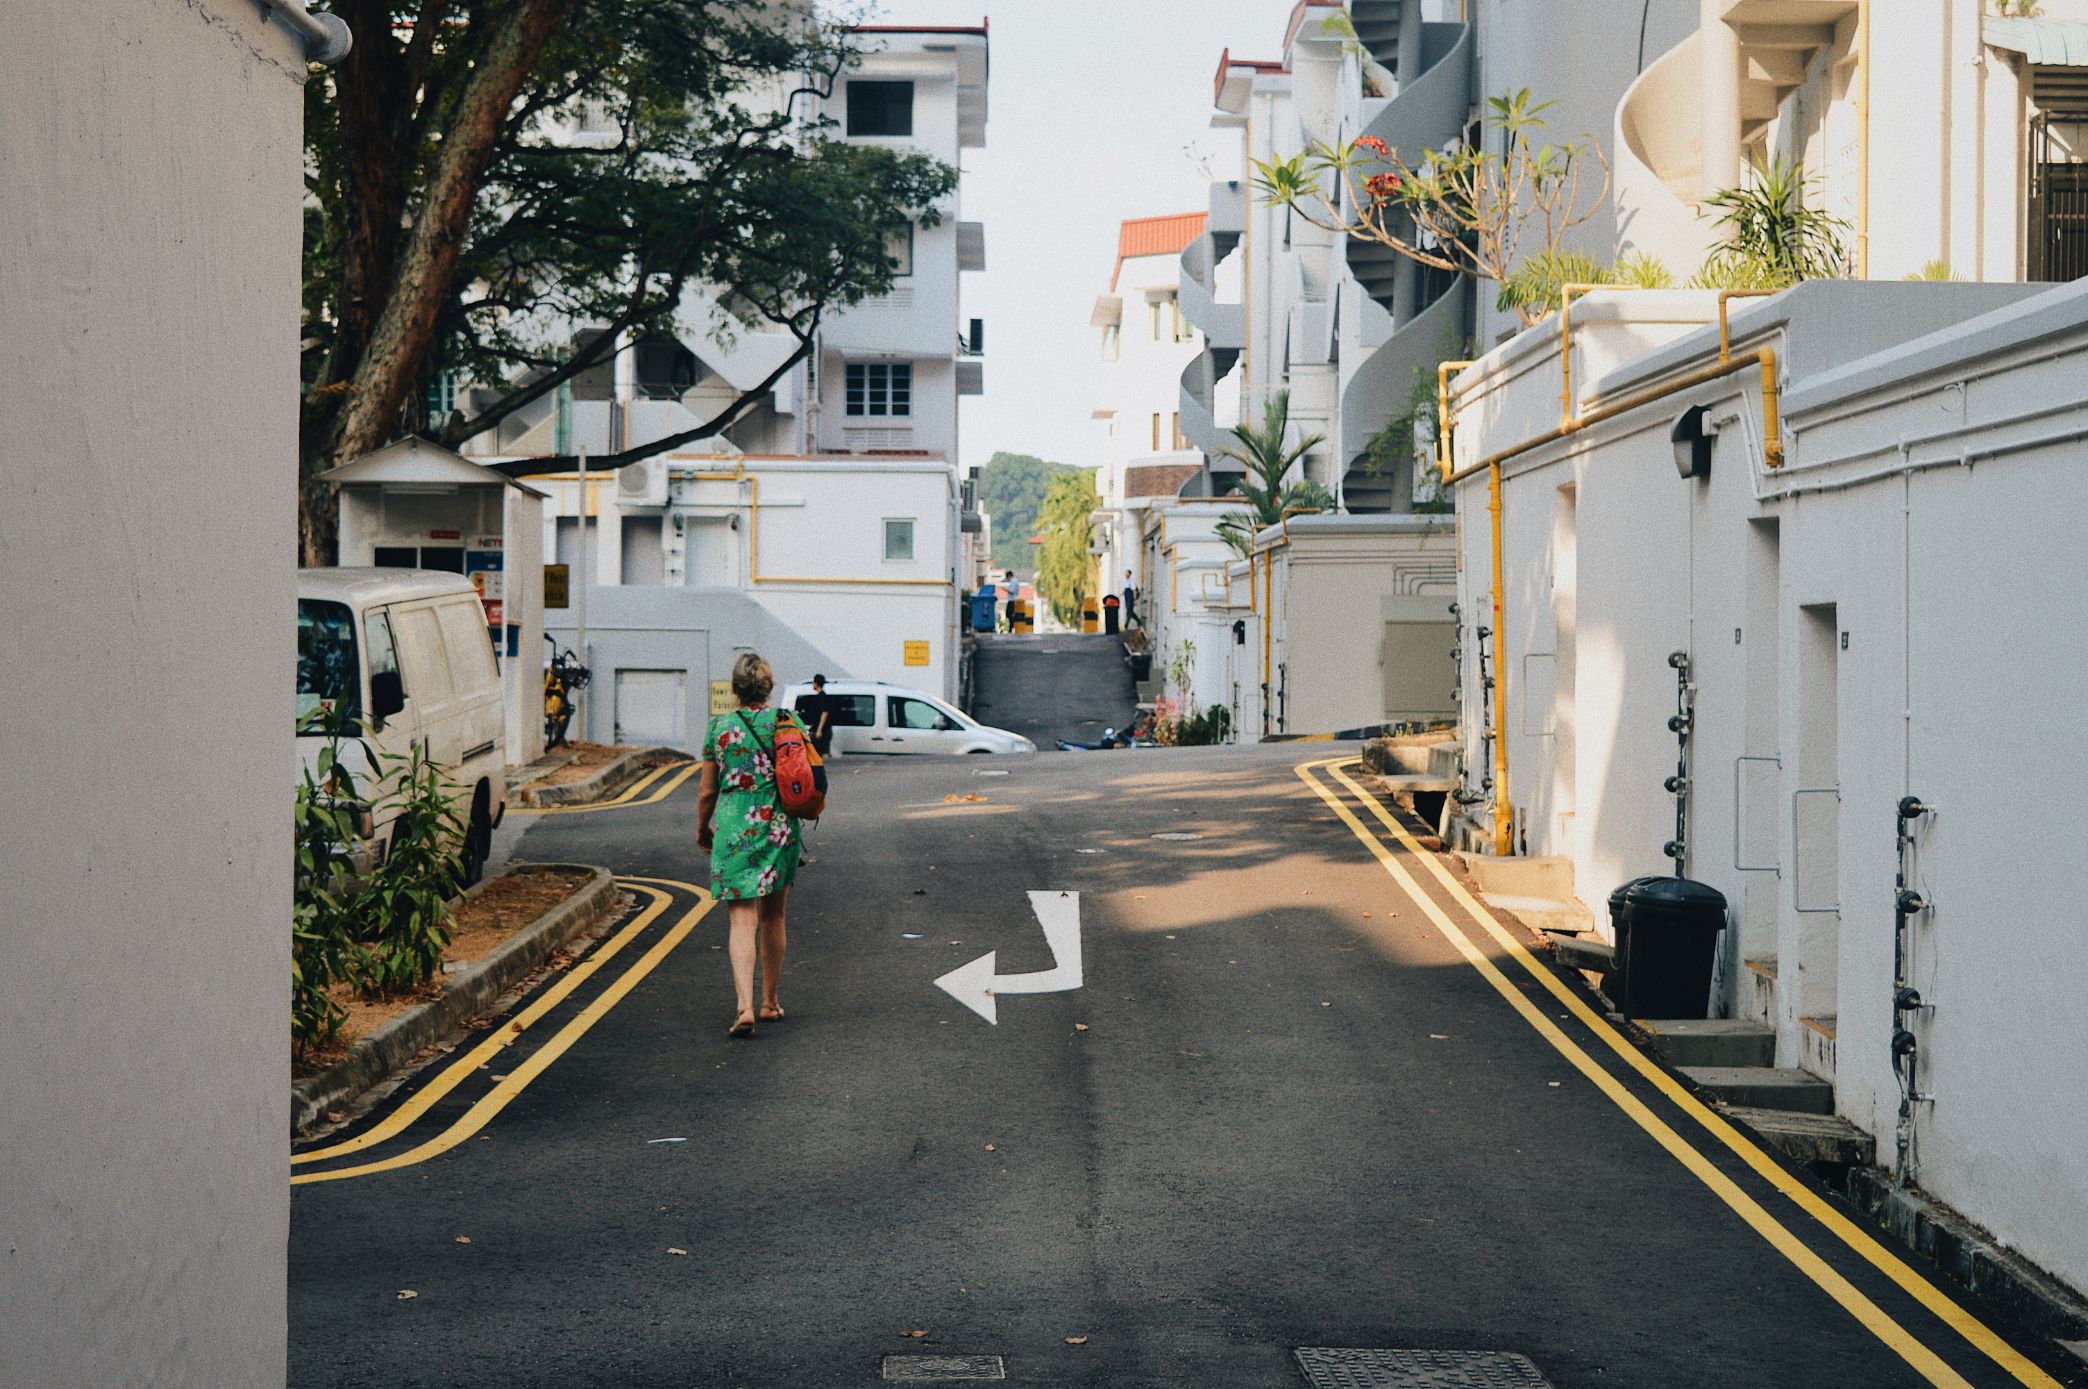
[1566, 293]
[1503, 814]
[1268, 635]
[1863, 105]
[1443, 373]
[1772, 456]
[1725, 336]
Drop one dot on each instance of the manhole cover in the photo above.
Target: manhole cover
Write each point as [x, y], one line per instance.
[1338, 1368]
[932, 1368]
[1177, 834]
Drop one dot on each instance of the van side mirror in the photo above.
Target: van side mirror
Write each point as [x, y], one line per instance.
[387, 695]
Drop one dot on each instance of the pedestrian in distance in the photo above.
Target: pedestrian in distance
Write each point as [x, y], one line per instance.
[753, 843]
[1130, 603]
[817, 711]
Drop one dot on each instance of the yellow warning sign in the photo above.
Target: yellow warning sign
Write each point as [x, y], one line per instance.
[917, 653]
[723, 701]
[555, 585]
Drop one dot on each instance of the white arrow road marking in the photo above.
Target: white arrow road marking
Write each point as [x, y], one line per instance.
[976, 985]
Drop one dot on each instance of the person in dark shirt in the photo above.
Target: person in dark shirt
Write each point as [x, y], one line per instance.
[817, 710]
[1130, 603]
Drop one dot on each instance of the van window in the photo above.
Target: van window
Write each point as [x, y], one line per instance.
[377, 638]
[918, 714]
[470, 649]
[852, 711]
[327, 673]
[420, 654]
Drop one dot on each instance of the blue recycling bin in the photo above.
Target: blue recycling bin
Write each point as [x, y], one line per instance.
[982, 613]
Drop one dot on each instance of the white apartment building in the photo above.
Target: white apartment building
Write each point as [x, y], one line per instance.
[1147, 339]
[829, 528]
[1945, 134]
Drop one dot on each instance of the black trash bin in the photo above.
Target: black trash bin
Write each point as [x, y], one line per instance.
[1667, 938]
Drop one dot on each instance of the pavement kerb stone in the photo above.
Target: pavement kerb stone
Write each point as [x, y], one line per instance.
[372, 1058]
[605, 781]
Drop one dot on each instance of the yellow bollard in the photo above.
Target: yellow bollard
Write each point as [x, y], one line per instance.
[1090, 615]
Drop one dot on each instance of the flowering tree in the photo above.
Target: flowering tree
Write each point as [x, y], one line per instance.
[1463, 209]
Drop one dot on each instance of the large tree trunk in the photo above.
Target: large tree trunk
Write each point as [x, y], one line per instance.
[383, 341]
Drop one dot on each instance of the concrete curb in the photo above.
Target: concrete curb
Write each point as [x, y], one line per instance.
[605, 781]
[1969, 1256]
[370, 1059]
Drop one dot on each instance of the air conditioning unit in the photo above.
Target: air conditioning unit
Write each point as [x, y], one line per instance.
[643, 483]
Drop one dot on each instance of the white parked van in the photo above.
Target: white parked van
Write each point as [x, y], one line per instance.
[410, 650]
[871, 716]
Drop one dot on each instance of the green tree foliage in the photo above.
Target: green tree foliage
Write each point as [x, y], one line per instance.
[503, 191]
[1268, 456]
[1772, 239]
[1011, 489]
[1065, 568]
[1469, 208]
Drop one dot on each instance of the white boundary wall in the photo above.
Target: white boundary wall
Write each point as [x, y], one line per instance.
[1889, 614]
[149, 188]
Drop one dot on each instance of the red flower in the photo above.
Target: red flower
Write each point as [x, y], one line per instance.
[1374, 145]
[1383, 187]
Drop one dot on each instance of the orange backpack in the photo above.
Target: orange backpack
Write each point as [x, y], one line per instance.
[801, 779]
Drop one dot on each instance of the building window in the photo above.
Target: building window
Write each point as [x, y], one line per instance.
[899, 249]
[880, 388]
[880, 108]
[1112, 344]
[1183, 332]
[442, 396]
[1154, 306]
[1156, 431]
[1180, 443]
[899, 538]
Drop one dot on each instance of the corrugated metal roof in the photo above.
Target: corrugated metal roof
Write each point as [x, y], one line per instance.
[1156, 236]
[2048, 42]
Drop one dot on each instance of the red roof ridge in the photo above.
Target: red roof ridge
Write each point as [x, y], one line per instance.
[1165, 235]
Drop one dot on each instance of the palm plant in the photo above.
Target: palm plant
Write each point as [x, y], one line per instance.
[1268, 458]
[1772, 239]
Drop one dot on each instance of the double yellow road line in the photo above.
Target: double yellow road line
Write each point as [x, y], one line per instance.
[512, 1031]
[1924, 1361]
[629, 796]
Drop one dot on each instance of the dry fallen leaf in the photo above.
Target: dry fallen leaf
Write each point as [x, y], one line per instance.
[515, 1027]
[989, 1147]
[1080, 1027]
[463, 1239]
[913, 1335]
[335, 1116]
[1325, 1004]
[406, 1293]
[1076, 1340]
[678, 1251]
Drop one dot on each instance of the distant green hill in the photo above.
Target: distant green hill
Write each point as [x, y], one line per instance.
[1011, 488]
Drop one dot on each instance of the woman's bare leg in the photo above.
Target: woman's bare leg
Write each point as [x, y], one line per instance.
[773, 942]
[746, 924]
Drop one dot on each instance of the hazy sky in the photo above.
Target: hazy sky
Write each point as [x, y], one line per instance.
[1090, 106]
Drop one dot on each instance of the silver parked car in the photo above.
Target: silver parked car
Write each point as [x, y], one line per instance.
[872, 716]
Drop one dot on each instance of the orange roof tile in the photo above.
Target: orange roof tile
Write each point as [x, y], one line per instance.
[1156, 236]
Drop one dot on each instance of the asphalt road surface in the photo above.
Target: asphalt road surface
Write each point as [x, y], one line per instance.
[1284, 1108]
[1059, 685]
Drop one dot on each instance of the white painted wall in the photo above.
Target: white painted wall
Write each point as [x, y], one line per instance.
[149, 188]
[1339, 579]
[1922, 516]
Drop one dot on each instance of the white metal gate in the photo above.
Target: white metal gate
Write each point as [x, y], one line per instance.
[649, 706]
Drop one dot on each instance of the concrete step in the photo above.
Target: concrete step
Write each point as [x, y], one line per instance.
[1567, 917]
[1582, 952]
[1816, 1046]
[1809, 1137]
[1763, 1087]
[1724, 1042]
[1758, 992]
[1395, 784]
[1523, 877]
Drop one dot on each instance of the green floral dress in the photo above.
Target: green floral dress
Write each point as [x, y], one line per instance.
[754, 844]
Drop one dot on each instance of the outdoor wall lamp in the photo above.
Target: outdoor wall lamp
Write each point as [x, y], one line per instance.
[1240, 632]
[1693, 439]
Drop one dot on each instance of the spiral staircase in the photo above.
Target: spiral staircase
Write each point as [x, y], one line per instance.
[1431, 311]
[1224, 326]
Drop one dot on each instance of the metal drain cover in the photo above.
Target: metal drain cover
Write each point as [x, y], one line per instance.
[935, 1368]
[1330, 1367]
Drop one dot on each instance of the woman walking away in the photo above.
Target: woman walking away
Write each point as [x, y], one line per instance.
[752, 843]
